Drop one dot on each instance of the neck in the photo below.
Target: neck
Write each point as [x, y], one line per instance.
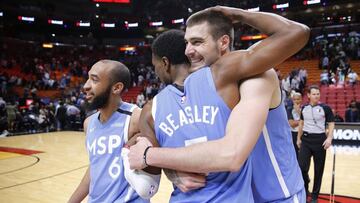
[313, 103]
[180, 74]
[111, 107]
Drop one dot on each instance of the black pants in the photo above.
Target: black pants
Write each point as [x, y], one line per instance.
[294, 136]
[311, 145]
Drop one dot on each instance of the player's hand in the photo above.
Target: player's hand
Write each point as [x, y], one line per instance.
[132, 140]
[229, 12]
[136, 154]
[298, 143]
[327, 143]
[186, 181]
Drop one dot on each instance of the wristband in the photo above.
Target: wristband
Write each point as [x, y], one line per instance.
[144, 157]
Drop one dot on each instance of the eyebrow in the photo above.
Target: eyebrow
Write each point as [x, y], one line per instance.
[196, 38]
[94, 76]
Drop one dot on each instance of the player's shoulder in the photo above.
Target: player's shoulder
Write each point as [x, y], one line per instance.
[87, 121]
[164, 92]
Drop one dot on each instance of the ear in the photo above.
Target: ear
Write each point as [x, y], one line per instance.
[166, 64]
[118, 88]
[224, 43]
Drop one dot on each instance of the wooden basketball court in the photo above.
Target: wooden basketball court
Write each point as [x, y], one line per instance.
[48, 167]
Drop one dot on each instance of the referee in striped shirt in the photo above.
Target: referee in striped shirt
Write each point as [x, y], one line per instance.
[314, 139]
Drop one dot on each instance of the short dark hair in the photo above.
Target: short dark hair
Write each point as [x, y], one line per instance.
[171, 44]
[313, 87]
[219, 24]
[118, 73]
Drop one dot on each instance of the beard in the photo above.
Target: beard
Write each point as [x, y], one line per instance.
[99, 101]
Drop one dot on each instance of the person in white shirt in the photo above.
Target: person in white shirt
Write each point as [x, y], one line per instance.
[352, 76]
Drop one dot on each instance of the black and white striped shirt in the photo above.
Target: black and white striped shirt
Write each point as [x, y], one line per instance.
[316, 117]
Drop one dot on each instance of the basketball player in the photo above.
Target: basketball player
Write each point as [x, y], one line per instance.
[172, 67]
[211, 92]
[106, 132]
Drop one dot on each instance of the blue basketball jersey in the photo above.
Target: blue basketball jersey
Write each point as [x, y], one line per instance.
[276, 172]
[195, 115]
[104, 142]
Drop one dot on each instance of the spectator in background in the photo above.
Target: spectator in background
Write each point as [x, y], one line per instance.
[295, 83]
[154, 91]
[3, 119]
[148, 90]
[332, 78]
[325, 62]
[294, 117]
[324, 77]
[2, 103]
[51, 116]
[140, 80]
[303, 78]
[337, 117]
[43, 119]
[11, 110]
[352, 77]
[73, 115]
[140, 99]
[3, 84]
[60, 114]
[63, 82]
[341, 76]
[285, 83]
[352, 113]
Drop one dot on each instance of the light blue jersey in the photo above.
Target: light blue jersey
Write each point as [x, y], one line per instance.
[195, 115]
[104, 142]
[276, 173]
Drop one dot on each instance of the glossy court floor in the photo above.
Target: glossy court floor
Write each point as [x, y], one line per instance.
[48, 167]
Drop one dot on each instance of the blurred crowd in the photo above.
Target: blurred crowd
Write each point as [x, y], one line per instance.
[28, 68]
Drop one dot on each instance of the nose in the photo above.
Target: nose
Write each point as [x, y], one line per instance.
[189, 50]
[86, 86]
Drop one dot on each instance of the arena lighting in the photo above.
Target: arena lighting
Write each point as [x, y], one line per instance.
[178, 21]
[159, 23]
[47, 45]
[113, 1]
[107, 24]
[312, 2]
[280, 6]
[127, 48]
[127, 24]
[253, 37]
[1, 14]
[82, 24]
[254, 9]
[55, 22]
[28, 19]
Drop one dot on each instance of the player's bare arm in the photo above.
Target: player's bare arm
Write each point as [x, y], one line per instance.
[185, 181]
[286, 38]
[146, 127]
